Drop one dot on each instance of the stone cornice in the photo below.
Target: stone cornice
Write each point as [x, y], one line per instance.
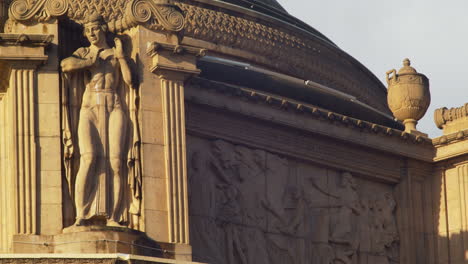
[154, 47]
[24, 50]
[451, 138]
[40, 40]
[119, 14]
[312, 112]
[85, 259]
[171, 61]
[451, 146]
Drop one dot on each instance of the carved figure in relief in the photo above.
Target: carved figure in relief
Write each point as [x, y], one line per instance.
[250, 168]
[343, 234]
[229, 205]
[100, 125]
[384, 236]
[205, 234]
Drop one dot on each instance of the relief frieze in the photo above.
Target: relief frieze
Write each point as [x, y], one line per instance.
[248, 205]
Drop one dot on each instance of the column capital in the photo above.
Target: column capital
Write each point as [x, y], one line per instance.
[174, 62]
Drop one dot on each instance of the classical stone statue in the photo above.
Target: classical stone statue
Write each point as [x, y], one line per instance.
[100, 121]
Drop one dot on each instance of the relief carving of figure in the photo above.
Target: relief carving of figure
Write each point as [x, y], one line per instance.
[101, 131]
[343, 234]
[205, 234]
[229, 209]
[384, 236]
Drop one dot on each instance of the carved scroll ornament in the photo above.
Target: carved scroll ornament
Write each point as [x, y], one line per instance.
[23, 10]
[120, 14]
[167, 16]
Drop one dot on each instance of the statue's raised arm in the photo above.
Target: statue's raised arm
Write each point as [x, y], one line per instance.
[80, 60]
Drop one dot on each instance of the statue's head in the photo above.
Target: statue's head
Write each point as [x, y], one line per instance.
[95, 29]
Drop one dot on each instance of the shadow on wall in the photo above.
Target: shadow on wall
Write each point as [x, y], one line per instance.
[450, 182]
[251, 206]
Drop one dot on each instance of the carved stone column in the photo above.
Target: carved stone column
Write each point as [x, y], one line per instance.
[24, 143]
[174, 64]
[20, 55]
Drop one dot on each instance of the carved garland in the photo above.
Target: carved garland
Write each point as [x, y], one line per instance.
[121, 15]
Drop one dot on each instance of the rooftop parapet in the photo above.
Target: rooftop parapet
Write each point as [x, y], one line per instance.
[452, 120]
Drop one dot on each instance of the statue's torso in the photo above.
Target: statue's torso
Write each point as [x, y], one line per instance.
[103, 87]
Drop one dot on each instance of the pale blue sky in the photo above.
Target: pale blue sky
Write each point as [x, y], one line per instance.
[380, 34]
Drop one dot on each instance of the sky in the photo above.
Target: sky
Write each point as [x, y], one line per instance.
[433, 34]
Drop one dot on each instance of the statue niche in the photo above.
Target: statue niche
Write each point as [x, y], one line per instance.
[101, 132]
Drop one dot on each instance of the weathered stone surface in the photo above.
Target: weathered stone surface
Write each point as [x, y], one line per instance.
[253, 206]
[70, 258]
[202, 167]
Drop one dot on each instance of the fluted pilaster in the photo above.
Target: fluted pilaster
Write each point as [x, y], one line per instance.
[24, 147]
[174, 116]
[20, 55]
[174, 64]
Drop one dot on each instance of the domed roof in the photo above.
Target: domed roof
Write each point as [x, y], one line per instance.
[262, 46]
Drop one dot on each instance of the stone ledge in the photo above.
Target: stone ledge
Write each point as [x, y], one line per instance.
[85, 258]
[40, 40]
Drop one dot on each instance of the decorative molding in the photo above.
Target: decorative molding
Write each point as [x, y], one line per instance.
[166, 59]
[26, 39]
[84, 259]
[41, 10]
[162, 16]
[59, 261]
[451, 138]
[154, 47]
[311, 111]
[119, 14]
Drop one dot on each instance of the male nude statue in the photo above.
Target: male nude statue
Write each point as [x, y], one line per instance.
[102, 125]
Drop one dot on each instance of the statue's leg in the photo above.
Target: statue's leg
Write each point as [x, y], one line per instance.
[85, 180]
[117, 144]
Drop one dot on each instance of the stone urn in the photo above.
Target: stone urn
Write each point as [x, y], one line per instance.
[408, 95]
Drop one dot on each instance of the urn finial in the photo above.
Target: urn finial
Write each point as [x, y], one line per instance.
[406, 62]
[408, 95]
[407, 67]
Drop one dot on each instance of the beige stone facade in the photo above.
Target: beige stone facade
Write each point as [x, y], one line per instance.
[199, 131]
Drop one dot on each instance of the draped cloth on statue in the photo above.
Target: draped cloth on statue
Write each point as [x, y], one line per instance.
[88, 137]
